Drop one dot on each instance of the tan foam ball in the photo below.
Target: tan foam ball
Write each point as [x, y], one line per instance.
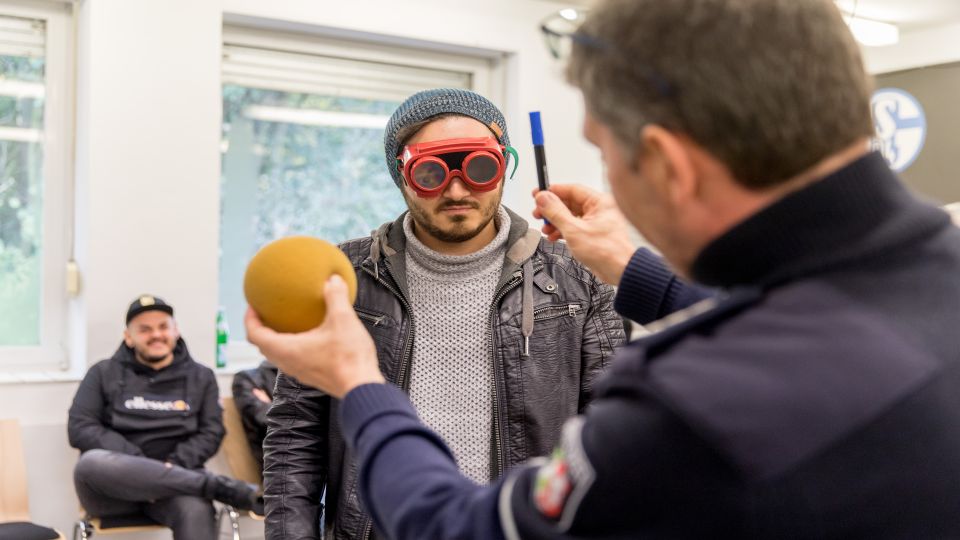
[284, 281]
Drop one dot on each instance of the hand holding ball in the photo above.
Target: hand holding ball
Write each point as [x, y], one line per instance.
[285, 279]
[287, 286]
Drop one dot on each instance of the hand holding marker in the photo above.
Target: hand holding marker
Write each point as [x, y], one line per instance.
[543, 180]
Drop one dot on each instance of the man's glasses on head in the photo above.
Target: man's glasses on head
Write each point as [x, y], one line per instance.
[561, 32]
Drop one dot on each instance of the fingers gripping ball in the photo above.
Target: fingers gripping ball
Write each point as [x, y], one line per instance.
[285, 279]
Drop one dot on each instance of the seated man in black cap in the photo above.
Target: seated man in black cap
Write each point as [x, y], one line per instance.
[145, 421]
[253, 394]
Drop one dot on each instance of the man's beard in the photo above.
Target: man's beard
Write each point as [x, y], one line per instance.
[459, 232]
[143, 355]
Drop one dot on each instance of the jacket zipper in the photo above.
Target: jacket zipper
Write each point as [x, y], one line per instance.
[497, 378]
[370, 317]
[553, 312]
[402, 376]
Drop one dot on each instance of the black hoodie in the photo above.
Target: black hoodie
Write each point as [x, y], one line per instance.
[172, 414]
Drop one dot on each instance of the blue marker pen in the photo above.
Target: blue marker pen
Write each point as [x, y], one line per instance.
[543, 179]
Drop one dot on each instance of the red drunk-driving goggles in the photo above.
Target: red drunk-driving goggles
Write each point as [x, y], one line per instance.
[429, 167]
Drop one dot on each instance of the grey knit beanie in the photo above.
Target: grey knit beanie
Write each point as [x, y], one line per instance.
[429, 103]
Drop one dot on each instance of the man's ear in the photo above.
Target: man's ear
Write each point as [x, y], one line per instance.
[127, 340]
[670, 163]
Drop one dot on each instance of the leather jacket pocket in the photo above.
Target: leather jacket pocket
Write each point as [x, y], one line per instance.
[387, 336]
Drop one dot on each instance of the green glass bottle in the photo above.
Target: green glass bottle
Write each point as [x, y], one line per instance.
[223, 336]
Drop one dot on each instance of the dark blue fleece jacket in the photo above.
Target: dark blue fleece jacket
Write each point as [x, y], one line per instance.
[814, 397]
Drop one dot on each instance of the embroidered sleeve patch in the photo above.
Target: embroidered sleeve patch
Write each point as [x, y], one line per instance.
[553, 485]
[563, 482]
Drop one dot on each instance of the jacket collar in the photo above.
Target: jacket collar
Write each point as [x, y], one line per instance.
[853, 213]
[389, 243]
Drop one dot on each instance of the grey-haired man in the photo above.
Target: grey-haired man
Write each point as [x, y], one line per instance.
[814, 397]
[494, 332]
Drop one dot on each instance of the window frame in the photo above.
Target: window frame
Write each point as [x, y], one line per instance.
[486, 70]
[59, 60]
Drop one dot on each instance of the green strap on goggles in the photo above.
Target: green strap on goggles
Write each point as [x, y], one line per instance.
[516, 160]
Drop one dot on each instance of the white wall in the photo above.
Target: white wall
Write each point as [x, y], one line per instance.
[148, 167]
[917, 48]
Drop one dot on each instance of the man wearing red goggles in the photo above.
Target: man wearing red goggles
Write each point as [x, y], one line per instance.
[495, 332]
[479, 162]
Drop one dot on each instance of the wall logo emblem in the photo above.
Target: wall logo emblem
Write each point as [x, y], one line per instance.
[901, 127]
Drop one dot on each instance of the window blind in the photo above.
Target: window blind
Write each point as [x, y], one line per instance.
[334, 76]
[22, 37]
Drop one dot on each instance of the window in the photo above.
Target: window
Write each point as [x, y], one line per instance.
[302, 145]
[34, 154]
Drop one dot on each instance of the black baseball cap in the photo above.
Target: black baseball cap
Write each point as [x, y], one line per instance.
[146, 302]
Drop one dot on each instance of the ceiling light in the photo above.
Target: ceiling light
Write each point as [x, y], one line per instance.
[569, 14]
[873, 33]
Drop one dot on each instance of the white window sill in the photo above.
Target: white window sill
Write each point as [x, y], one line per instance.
[240, 356]
[233, 368]
[33, 377]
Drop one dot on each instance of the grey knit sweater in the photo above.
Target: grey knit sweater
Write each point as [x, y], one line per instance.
[451, 377]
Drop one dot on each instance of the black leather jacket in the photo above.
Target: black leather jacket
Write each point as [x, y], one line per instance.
[554, 331]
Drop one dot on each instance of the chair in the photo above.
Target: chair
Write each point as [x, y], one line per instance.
[86, 526]
[236, 448]
[236, 452]
[14, 497]
[242, 466]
